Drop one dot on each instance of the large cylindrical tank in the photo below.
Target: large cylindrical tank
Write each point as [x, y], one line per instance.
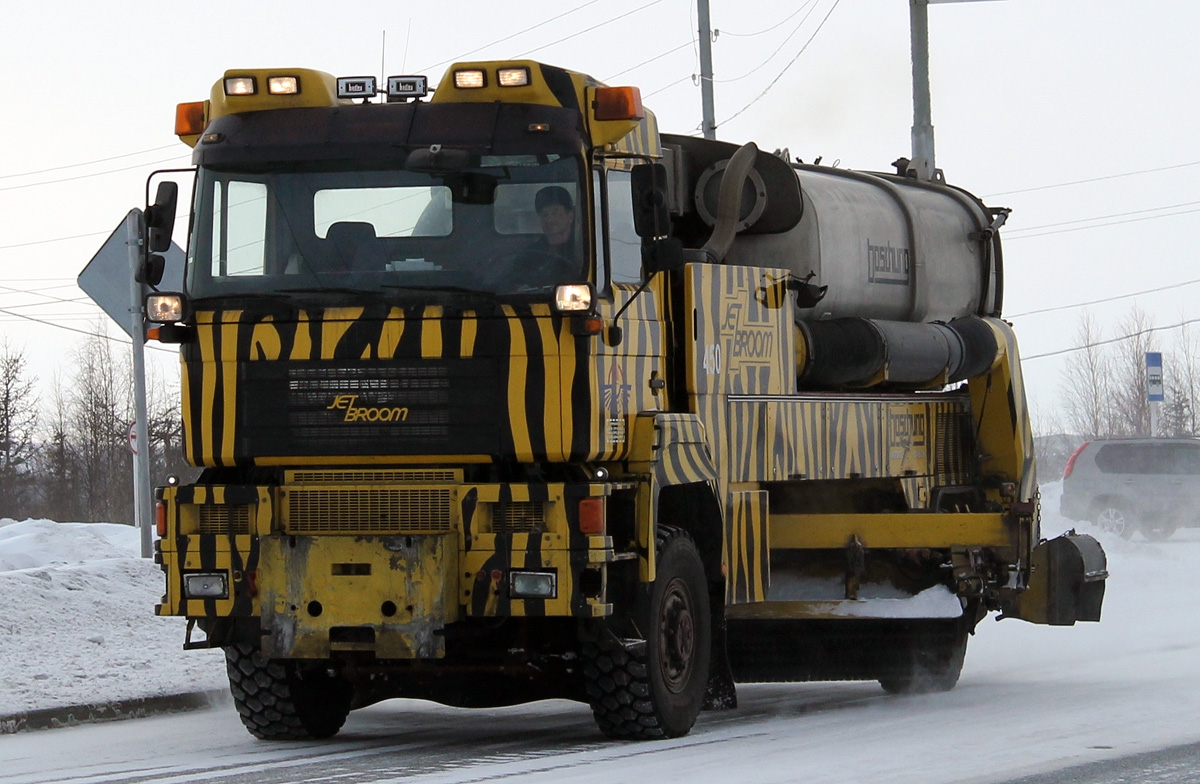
[887, 247]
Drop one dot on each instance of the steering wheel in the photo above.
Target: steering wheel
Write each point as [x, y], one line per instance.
[530, 267]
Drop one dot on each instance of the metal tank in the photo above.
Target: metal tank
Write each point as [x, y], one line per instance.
[904, 267]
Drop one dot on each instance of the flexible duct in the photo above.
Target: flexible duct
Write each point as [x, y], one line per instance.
[857, 352]
[729, 205]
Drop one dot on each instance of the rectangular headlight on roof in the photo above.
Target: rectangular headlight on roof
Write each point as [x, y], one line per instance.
[241, 85]
[471, 79]
[407, 87]
[513, 77]
[283, 85]
[356, 87]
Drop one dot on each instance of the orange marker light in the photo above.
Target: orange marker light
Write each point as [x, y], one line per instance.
[618, 103]
[189, 118]
[160, 519]
[591, 516]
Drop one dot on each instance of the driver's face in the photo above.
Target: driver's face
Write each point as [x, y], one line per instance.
[556, 223]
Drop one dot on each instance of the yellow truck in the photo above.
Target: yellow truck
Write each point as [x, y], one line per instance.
[500, 394]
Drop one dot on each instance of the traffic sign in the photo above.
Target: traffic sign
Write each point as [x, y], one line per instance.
[106, 277]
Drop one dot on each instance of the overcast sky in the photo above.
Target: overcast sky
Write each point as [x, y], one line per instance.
[1025, 93]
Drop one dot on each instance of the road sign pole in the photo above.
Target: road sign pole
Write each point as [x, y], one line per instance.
[134, 238]
[1155, 389]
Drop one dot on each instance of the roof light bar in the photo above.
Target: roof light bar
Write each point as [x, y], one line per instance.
[283, 85]
[241, 85]
[472, 79]
[513, 77]
[356, 87]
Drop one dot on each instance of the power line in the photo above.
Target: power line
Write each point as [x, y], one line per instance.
[1104, 299]
[669, 86]
[772, 28]
[81, 331]
[652, 59]
[779, 48]
[93, 174]
[1103, 225]
[786, 67]
[88, 163]
[513, 35]
[1095, 179]
[589, 29]
[1110, 341]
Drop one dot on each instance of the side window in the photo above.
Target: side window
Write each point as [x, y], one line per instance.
[624, 245]
[1116, 459]
[240, 229]
[601, 243]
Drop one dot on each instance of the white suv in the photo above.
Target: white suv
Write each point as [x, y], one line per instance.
[1125, 485]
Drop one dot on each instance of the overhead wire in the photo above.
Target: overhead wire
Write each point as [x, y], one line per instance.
[1110, 341]
[772, 28]
[1094, 179]
[1071, 228]
[651, 60]
[642, 7]
[76, 178]
[778, 49]
[513, 35]
[1102, 300]
[87, 163]
[786, 67]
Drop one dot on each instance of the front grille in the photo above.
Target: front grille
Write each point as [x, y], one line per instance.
[382, 476]
[518, 517]
[312, 510]
[224, 519]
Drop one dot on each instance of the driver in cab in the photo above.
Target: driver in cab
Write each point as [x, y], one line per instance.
[556, 215]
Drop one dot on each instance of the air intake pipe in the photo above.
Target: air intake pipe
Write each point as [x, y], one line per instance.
[858, 352]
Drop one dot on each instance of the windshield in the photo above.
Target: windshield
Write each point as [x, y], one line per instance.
[506, 225]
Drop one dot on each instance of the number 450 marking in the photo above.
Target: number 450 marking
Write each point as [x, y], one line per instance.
[712, 359]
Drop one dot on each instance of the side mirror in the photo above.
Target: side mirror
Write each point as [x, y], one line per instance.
[151, 270]
[160, 217]
[651, 205]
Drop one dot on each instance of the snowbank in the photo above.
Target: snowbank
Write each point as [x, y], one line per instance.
[77, 623]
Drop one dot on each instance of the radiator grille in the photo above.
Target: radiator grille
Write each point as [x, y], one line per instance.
[381, 476]
[313, 510]
[518, 517]
[224, 519]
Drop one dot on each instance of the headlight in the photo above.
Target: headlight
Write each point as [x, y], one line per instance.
[241, 85]
[470, 80]
[205, 586]
[283, 85]
[573, 297]
[513, 77]
[164, 308]
[533, 585]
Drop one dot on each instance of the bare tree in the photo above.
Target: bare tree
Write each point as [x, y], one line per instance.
[58, 464]
[1130, 402]
[100, 409]
[1087, 383]
[18, 424]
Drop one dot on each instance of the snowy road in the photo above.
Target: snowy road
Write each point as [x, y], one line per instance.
[1031, 700]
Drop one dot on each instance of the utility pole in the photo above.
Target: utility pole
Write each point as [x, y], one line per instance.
[922, 131]
[709, 123]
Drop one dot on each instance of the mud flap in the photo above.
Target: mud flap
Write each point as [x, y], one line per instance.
[1066, 583]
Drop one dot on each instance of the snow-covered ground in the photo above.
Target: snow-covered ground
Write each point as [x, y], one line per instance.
[77, 623]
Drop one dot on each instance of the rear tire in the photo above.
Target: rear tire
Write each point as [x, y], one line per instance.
[281, 700]
[656, 690]
[1156, 532]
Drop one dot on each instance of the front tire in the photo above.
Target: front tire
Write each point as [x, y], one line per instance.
[1115, 518]
[655, 690]
[281, 700]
